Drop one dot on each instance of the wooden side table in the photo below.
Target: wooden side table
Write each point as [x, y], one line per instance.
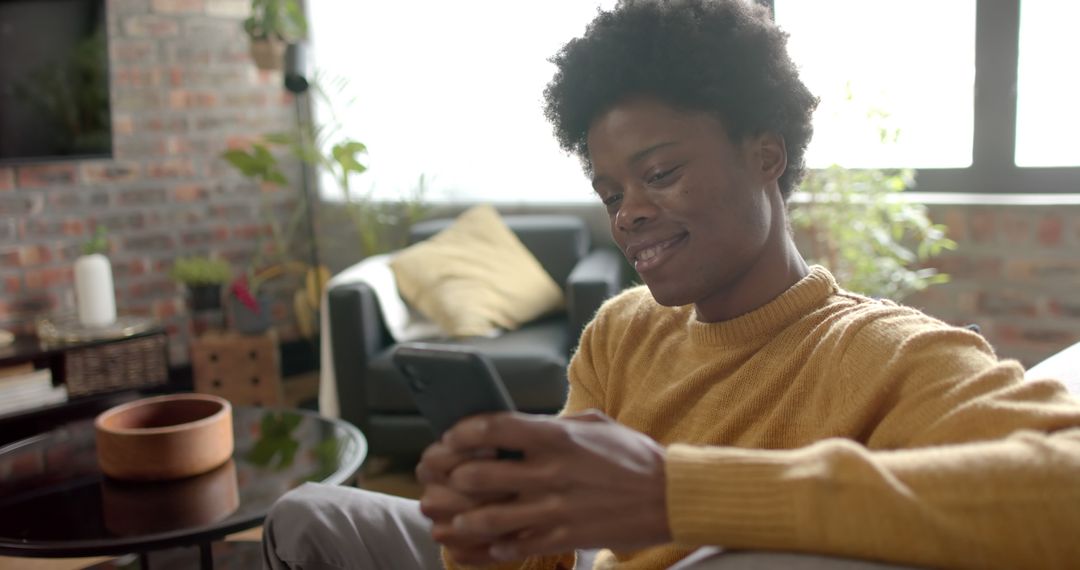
[244, 369]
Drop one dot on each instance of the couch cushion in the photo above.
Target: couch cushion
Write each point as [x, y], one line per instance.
[475, 277]
[531, 361]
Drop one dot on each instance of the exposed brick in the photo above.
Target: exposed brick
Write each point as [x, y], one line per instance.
[136, 78]
[44, 175]
[151, 26]
[236, 9]
[159, 124]
[981, 226]
[184, 99]
[1016, 227]
[249, 231]
[12, 285]
[9, 258]
[8, 230]
[143, 197]
[109, 172]
[13, 204]
[155, 287]
[178, 168]
[7, 179]
[1006, 303]
[961, 266]
[955, 219]
[133, 149]
[1051, 230]
[1055, 271]
[123, 125]
[125, 51]
[40, 279]
[128, 6]
[34, 255]
[77, 200]
[117, 222]
[1068, 308]
[160, 242]
[202, 237]
[213, 77]
[178, 6]
[188, 193]
[128, 268]
[127, 100]
[187, 54]
[245, 100]
[209, 30]
[54, 228]
[167, 308]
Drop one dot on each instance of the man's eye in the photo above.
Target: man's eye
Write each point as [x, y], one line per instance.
[661, 175]
[612, 200]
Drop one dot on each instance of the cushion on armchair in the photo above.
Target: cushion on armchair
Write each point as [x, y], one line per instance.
[475, 277]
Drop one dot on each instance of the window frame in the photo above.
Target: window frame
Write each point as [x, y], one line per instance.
[993, 167]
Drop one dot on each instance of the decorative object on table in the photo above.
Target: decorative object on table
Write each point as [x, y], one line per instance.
[271, 27]
[130, 353]
[22, 387]
[6, 338]
[244, 369]
[137, 508]
[203, 277]
[95, 298]
[164, 437]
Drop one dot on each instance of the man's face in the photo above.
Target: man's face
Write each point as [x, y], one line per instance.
[687, 206]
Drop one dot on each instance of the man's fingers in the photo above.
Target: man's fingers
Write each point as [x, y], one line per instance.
[589, 415]
[440, 503]
[439, 459]
[506, 430]
[508, 477]
[491, 522]
[554, 541]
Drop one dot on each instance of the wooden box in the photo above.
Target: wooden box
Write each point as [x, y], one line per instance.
[243, 369]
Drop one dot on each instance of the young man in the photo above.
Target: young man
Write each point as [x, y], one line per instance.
[742, 400]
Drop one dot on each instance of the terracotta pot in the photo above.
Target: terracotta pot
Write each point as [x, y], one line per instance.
[165, 437]
[269, 55]
[144, 508]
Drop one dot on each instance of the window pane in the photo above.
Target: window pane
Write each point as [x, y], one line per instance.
[1047, 118]
[903, 66]
[452, 90]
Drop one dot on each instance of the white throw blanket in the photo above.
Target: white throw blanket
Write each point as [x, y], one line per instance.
[404, 323]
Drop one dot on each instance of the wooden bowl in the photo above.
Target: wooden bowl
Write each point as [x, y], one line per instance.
[133, 508]
[165, 437]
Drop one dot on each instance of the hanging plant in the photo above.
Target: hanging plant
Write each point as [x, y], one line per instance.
[271, 27]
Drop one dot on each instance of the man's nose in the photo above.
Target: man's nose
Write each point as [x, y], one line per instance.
[636, 210]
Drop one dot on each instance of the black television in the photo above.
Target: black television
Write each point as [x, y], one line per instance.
[54, 80]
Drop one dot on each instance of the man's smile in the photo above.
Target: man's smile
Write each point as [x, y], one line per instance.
[649, 254]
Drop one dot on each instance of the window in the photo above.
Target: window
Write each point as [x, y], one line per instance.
[453, 90]
[858, 57]
[1047, 117]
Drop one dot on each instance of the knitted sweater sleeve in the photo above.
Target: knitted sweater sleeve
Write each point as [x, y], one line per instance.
[966, 466]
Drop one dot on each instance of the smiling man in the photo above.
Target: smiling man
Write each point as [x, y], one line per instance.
[740, 404]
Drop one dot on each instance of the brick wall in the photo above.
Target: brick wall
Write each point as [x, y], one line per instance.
[183, 90]
[1016, 274]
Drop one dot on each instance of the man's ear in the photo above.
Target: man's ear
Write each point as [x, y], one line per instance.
[772, 153]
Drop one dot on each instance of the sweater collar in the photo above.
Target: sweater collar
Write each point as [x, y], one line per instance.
[794, 303]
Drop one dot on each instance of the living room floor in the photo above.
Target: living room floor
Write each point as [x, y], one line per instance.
[394, 480]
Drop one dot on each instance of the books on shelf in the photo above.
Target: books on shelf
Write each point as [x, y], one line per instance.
[23, 388]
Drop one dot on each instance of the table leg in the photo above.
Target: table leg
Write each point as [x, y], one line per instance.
[206, 556]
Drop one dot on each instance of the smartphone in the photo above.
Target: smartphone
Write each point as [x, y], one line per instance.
[451, 383]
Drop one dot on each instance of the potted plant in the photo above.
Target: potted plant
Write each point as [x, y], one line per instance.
[203, 277]
[859, 224]
[95, 298]
[271, 27]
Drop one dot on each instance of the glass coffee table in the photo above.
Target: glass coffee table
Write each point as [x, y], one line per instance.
[56, 503]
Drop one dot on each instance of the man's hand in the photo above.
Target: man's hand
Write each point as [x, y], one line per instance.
[585, 482]
[441, 504]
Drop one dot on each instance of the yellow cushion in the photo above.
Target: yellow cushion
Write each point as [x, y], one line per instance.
[475, 277]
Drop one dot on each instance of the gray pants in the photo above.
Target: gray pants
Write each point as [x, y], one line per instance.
[322, 527]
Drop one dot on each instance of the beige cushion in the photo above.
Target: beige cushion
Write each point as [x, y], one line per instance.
[475, 277]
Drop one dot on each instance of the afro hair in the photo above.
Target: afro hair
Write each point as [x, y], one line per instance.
[723, 57]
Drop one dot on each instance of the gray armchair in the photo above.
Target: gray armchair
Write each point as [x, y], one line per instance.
[531, 360]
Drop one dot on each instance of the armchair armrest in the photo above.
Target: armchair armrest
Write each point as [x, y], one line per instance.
[597, 277]
[357, 335]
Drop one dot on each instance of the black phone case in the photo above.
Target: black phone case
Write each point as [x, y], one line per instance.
[449, 384]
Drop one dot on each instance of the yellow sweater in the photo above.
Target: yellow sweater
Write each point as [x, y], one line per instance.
[830, 423]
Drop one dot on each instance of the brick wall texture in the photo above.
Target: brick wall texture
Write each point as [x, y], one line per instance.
[184, 89]
[1016, 274]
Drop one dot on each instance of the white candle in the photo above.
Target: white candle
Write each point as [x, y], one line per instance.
[94, 294]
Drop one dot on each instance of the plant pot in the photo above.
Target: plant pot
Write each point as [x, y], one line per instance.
[204, 298]
[246, 321]
[268, 54]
